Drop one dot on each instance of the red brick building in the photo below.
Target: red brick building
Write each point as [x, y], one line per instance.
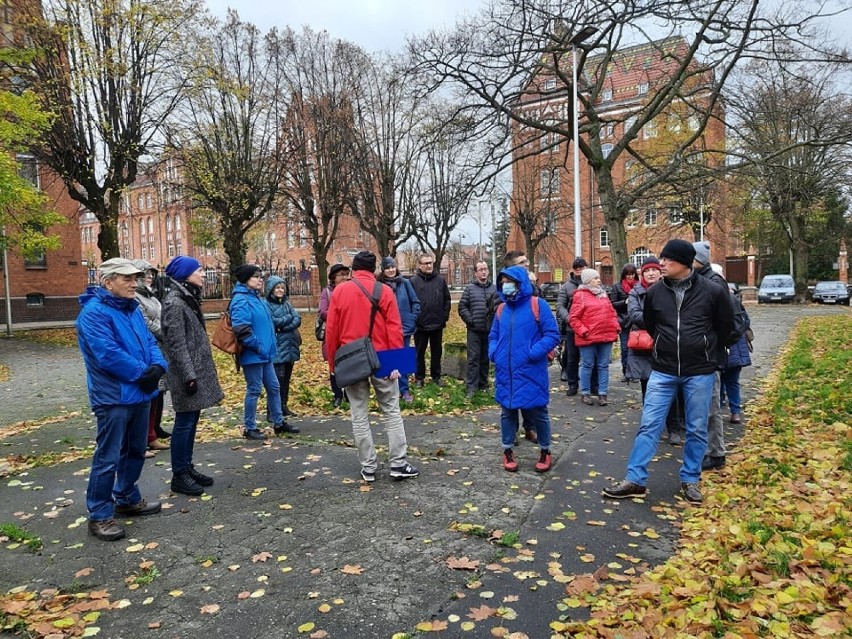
[546, 176]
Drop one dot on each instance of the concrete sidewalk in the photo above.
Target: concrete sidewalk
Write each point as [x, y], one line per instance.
[289, 535]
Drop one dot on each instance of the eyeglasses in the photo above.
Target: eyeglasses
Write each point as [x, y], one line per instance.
[256, 277]
[482, 268]
[427, 263]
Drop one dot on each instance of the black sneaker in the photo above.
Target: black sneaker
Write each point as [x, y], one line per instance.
[572, 390]
[106, 530]
[367, 476]
[711, 462]
[401, 472]
[691, 493]
[200, 478]
[288, 413]
[624, 489]
[254, 433]
[419, 383]
[283, 428]
[140, 509]
[184, 484]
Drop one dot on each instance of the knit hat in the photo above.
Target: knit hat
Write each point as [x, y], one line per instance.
[588, 275]
[680, 251]
[364, 261]
[579, 263]
[388, 262]
[650, 262]
[181, 267]
[244, 272]
[702, 252]
[334, 270]
[118, 266]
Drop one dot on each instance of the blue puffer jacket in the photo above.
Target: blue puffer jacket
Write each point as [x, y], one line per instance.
[738, 354]
[406, 300]
[286, 321]
[518, 345]
[252, 322]
[117, 347]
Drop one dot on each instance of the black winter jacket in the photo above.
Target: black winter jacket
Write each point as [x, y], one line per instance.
[434, 296]
[687, 337]
[473, 305]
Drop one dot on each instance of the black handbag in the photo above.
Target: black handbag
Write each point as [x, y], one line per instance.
[356, 361]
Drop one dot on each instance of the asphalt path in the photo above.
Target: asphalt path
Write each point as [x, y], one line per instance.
[289, 535]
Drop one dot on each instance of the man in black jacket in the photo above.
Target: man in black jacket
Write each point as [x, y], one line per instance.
[434, 296]
[473, 309]
[689, 317]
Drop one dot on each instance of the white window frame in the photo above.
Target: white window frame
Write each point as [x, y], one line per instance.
[603, 237]
[651, 216]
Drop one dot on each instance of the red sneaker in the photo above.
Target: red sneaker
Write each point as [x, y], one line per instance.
[544, 462]
[509, 462]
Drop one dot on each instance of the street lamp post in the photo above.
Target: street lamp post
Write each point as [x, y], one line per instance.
[577, 38]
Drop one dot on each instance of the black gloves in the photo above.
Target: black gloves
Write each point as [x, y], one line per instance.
[150, 377]
[191, 387]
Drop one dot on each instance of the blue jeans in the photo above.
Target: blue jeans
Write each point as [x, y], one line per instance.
[537, 418]
[731, 387]
[261, 376]
[662, 388]
[595, 356]
[122, 439]
[403, 379]
[183, 440]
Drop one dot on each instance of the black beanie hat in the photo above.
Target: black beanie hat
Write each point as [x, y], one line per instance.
[579, 263]
[680, 251]
[364, 261]
[244, 273]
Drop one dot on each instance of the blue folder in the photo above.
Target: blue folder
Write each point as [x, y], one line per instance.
[401, 359]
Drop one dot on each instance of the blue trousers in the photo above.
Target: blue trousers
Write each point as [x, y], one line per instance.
[261, 376]
[595, 357]
[534, 418]
[122, 439]
[662, 388]
[183, 440]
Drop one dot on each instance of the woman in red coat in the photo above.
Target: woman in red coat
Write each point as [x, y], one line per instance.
[595, 327]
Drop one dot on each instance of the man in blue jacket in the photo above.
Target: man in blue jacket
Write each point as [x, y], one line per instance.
[123, 366]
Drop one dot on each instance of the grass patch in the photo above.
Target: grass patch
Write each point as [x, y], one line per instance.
[767, 553]
[18, 535]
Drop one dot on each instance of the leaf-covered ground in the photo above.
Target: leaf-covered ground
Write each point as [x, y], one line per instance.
[769, 554]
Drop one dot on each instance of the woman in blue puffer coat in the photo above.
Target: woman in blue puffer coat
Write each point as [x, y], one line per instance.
[286, 321]
[518, 344]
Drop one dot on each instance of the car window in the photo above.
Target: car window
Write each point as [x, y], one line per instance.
[829, 286]
[777, 282]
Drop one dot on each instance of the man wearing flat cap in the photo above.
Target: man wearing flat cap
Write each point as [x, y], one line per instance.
[688, 316]
[123, 368]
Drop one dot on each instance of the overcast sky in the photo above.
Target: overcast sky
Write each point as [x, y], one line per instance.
[373, 24]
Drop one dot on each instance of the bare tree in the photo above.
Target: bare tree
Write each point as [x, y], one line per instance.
[792, 132]
[110, 73]
[227, 131]
[514, 60]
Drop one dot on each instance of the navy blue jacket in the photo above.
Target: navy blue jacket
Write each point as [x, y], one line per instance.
[252, 322]
[286, 321]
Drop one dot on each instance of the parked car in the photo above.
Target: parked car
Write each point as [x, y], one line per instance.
[831, 293]
[550, 290]
[776, 288]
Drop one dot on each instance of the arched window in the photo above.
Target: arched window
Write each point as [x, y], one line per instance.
[150, 226]
[177, 221]
[141, 228]
[638, 255]
[168, 223]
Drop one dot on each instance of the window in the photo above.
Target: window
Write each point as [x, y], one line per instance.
[650, 129]
[675, 215]
[148, 200]
[606, 149]
[674, 124]
[35, 299]
[291, 238]
[643, 88]
[606, 95]
[141, 228]
[177, 221]
[651, 217]
[549, 179]
[39, 260]
[124, 230]
[171, 250]
[639, 255]
[632, 217]
[144, 251]
[28, 169]
[692, 122]
[549, 84]
[151, 251]
[629, 122]
[140, 200]
[169, 223]
[607, 130]
[604, 237]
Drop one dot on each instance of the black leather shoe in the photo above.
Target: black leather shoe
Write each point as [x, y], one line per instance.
[200, 478]
[691, 493]
[284, 428]
[572, 390]
[254, 434]
[712, 463]
[624, 489]
[288, 413]
[184, 484]
[337, 402]
[106, 530]
[141, 509]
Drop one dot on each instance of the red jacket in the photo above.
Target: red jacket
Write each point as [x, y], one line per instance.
[349, 316]
[593, 319]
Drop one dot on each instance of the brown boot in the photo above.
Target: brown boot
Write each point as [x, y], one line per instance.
[602, 400]
[586, 399]
[106, 530]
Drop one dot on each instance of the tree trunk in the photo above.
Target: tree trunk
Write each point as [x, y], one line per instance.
[615, 216]
[234, 244]
[322, 264]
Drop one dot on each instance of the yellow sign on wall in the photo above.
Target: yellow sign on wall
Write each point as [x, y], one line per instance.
[557, 275]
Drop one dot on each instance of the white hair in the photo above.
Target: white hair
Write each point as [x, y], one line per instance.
[717, 268]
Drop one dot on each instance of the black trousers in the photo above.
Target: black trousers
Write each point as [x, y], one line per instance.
[434, 340]
[477, 360]
[284, 372]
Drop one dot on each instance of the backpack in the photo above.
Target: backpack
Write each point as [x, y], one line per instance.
[536, 311]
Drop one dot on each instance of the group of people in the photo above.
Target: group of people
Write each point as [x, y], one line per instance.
[133, 347]
[698, 329]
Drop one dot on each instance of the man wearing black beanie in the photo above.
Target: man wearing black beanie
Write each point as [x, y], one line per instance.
[688, 316]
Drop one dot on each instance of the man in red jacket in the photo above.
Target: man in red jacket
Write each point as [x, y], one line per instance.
[348, 320]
